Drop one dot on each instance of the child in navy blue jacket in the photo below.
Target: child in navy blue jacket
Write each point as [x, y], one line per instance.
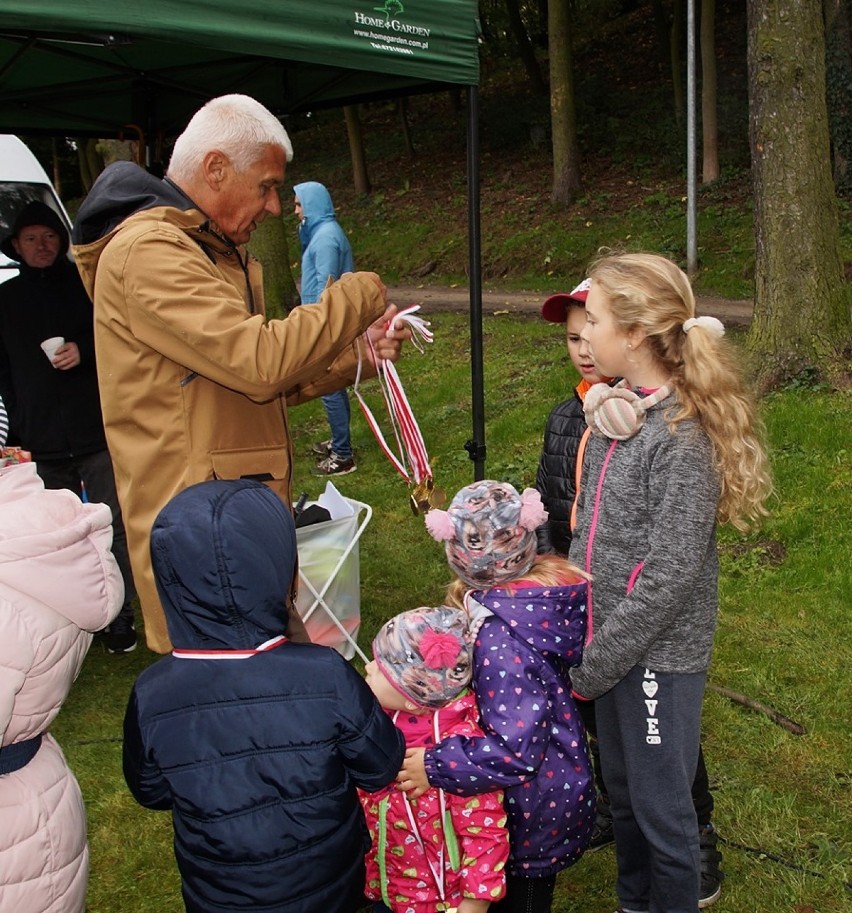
[254, 743]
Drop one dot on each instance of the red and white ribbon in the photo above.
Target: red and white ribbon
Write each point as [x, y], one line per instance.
[412, 460]
[438, 872]
[230, 654]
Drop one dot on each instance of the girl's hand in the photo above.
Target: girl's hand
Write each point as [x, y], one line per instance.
[412, 778]
[469, 905]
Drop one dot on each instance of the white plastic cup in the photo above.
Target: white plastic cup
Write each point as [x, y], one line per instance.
[51, 345]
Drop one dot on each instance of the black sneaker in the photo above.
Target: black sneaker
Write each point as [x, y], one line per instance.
[602, 831]
[121, 636]
[711, 874]
[333, 465]
[322, 448]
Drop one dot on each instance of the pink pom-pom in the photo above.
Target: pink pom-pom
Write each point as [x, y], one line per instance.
[439, 651]
[440, 525]
[533, 513]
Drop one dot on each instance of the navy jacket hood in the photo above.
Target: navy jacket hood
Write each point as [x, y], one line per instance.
[224, 554]
[122, 189]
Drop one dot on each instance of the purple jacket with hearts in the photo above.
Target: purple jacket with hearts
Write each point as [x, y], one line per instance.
[534, 747]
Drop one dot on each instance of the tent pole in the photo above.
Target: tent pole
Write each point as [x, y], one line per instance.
[476, 445]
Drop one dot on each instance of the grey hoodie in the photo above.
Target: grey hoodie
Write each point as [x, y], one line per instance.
[646, 531]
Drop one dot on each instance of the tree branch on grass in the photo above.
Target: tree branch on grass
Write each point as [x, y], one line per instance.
[776, 716]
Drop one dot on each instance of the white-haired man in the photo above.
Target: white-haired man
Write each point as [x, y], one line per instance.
[194, 380]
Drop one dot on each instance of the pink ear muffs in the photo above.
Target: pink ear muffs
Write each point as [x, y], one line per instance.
[617, 412]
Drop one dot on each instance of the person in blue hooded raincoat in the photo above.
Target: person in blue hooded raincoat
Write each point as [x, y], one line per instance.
[326, 255]
[255, 743]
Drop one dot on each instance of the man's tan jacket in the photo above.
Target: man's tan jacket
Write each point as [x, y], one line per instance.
[194, 380]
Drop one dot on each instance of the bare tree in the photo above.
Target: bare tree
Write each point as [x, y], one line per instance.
[676, 61]
[709, 126]
[54, 154]
[91, 164]
[270, 243]
[838, 60]
[360, 178]
[802, 306]
[526, 51]
[566, 156]
[402, 107]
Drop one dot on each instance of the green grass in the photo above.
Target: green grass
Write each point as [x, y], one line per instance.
[783, 801]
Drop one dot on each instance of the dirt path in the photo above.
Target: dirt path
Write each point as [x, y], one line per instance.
[439, 298]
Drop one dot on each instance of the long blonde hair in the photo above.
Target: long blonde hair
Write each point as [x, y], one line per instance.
[650, 293]
[547, 570]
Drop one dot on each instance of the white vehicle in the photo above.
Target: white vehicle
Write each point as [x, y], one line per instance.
[22, 179]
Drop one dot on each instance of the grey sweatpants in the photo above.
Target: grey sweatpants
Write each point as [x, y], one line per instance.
[649, 727]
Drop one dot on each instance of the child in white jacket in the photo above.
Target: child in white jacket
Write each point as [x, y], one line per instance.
[58, 583]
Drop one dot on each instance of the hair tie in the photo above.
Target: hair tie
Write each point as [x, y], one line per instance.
[711, 324]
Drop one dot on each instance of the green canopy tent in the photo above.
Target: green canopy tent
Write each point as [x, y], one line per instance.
[108, 68]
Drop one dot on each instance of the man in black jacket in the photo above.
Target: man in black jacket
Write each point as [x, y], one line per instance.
[51, 394]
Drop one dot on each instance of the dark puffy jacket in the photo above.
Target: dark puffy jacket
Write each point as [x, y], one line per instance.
[555, 477]
[256, 746]
[54, 414]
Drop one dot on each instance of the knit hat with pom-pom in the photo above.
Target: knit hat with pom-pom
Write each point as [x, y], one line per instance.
[426, 654]
[489, 531]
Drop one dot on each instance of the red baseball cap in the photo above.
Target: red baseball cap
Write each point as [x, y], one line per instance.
[555, 308]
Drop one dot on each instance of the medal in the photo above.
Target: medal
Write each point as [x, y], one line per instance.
[437, 497]
[424, 496]
[413, 461]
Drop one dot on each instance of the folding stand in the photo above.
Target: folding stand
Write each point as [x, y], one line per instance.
[329, 600]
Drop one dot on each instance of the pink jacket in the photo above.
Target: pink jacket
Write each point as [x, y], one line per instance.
[409, 866]
[58, 583]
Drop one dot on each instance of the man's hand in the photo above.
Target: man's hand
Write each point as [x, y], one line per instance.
[66, 356]
[412, 778]
[387, 336]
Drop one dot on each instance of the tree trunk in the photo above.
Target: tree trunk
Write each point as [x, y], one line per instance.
[541, 20]
[406, 130]
[57, 180]
[662, 28]
[566, 157]
[360, 178]
[675, 39]
[838, 61]
[270, 244]
[89, 161]
[801, 316]
[115, 150]
[525, 48]
[709, 128]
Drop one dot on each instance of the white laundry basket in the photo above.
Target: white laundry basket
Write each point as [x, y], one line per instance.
[329, 600]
